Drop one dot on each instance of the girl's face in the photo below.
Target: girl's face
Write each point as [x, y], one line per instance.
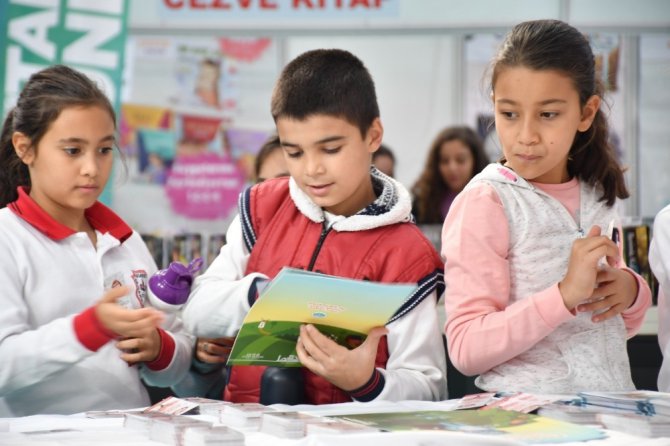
[456, 164]
[537, 116]
[274, 166]
[72, 162]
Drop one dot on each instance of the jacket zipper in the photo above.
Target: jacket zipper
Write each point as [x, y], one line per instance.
[578, 223]
[322, 237]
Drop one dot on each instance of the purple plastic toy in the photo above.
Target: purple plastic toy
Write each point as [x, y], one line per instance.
[169, 288]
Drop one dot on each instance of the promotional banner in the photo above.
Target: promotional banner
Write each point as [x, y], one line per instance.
[87, 35]
[225, 11]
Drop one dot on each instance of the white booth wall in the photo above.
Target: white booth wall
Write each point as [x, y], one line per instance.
[418, 61]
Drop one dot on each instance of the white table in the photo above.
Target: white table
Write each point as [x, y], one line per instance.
[58, 430]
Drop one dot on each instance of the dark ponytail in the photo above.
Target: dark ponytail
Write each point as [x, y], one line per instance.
[46, 94]
[13, 172]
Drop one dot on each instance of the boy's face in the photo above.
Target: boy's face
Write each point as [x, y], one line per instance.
[330, 161]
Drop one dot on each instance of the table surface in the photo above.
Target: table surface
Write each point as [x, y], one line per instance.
[56, 430]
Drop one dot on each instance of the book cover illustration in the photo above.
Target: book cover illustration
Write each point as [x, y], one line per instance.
[527, 428]
[343, 309]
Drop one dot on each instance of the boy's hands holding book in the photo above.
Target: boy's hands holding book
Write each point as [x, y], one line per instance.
[344, 368]
[214, 350]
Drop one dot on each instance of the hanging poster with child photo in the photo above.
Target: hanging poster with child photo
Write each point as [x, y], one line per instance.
[204, 180]
[204, 78]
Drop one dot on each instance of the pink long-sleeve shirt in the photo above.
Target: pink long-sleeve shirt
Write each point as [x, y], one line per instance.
[483, 329]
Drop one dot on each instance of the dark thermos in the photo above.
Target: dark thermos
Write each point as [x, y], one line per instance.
[282, 385]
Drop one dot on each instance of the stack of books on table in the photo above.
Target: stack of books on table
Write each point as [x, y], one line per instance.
[641, 425]
[171, 430]
[244, 416]
[212, 436]
[578, 414]
[288, 424]
[644, 402]
[641, 412]
[142, 421]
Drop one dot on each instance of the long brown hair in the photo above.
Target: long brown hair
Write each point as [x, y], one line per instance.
[555, 45]
[46, 94]
[430, 189]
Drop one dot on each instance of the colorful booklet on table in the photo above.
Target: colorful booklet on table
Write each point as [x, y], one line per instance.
[526, 428]
[343, 309]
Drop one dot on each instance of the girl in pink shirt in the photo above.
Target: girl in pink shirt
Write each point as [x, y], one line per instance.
[531, 303]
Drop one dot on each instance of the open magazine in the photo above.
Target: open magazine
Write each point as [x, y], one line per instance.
[343, 309]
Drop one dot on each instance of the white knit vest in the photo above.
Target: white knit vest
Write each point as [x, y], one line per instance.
[579, 354]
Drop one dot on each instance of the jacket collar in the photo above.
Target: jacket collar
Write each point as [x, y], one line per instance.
[393, 205]
[99, 216]
[502, 174]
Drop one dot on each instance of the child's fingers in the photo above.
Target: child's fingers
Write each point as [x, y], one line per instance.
[128, 345]
[594, 231]
[319, 346]
[606, 274]
[138, 328]
[133, 357]
[307, 360]
[227, 341]
[141, 348]
[209, 358]
[596, 305]
[613, 311]
[142, 314]
[218, 350]
[113, 294]
[371, 343]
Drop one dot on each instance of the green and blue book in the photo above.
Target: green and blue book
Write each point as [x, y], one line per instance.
[343, 309]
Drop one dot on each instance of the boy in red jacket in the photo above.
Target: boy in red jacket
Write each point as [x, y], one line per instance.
[337, 215]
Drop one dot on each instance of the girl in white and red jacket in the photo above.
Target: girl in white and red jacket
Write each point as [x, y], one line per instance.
[74, 335]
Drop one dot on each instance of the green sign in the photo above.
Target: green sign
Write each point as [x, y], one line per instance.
[89, 35]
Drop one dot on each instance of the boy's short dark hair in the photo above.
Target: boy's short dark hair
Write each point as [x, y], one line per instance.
[329, 82]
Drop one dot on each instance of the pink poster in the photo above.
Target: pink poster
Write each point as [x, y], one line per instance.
[204, 186]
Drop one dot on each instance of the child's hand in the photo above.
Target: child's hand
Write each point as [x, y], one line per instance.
[344, 368]
[127, 323]
[143, 349]
[214, 350]
[616, 291]
[580, 280]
